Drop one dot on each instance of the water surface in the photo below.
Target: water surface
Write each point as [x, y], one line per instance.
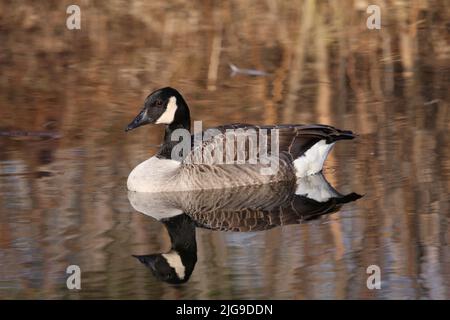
[66, 97]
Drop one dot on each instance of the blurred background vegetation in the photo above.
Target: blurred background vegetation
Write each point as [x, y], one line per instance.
[63, 197]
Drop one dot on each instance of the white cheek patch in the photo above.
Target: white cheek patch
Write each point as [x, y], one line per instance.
[174, 260]
[168, 116]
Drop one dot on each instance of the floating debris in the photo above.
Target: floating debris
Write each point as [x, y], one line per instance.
[428, 103]
[250, 72]
[37, 174]
[39, 134]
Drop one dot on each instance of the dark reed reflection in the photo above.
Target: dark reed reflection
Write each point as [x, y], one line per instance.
[244, 209]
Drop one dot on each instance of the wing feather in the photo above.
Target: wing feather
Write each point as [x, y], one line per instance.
[293, 139]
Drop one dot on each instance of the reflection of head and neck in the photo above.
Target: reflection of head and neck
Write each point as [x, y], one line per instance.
[176, 265]
[242, 209]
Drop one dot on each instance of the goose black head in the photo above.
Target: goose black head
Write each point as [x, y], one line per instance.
[163, 106]
[175, 266]
[169, 267]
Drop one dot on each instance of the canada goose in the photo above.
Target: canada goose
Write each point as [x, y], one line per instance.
[243, 209]
[299, 150]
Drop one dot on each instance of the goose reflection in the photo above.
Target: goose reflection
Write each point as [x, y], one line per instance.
[244, 209]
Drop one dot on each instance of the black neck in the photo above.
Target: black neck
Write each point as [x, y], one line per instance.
[181, 230]
[165, 151]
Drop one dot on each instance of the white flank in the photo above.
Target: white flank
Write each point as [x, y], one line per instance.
[154, 204]
[312, 160]
[152, 174]
[315, 187]
[168, 116]
[174, 260]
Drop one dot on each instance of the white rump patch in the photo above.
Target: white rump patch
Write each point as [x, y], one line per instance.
[315, 187]
[168, 115]
[312, 160]
[174, 260]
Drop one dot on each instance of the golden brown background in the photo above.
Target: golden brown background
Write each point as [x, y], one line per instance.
[63, 198]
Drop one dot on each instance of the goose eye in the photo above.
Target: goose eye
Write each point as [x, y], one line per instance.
[158, 102]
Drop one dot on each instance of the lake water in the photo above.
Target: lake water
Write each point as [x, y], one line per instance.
[67, 95]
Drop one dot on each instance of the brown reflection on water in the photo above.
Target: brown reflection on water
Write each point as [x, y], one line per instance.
[63, 200]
